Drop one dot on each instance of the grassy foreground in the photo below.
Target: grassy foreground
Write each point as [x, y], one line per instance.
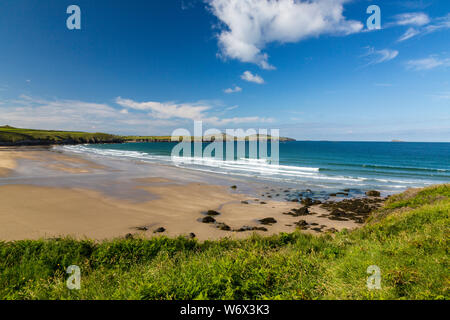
[408, 240]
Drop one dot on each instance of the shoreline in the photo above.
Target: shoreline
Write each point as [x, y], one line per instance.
[71, 195]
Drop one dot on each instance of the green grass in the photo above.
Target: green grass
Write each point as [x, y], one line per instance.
[10, 135]
[408, 240]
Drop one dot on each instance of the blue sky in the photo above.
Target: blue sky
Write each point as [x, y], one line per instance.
[311, 69]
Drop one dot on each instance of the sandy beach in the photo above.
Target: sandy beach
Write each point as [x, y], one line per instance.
[46, 194]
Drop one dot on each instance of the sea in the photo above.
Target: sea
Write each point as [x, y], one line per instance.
[390, 167]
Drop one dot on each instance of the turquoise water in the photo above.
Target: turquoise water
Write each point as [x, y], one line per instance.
[386, 166]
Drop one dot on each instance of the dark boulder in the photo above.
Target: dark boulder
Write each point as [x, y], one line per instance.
[159, 230]
[223, 226]
[208, 219]
[303, 211]
[373, 193]
[260, 229]
[212, 213]
[307, 202]
[248, 228]
[268, 221]
[244, 228]
[338, 213]
[301, 223]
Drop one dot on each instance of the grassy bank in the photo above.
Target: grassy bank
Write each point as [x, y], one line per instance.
[17, 136]
[408, 239]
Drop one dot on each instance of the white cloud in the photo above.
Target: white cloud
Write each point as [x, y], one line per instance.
[249, 25]
[166, 110]
[250, 77]
[133, 118]
[380, 56]
[411, 32]
[414, 18]
[231, 108]
[56, 114]
[437, 24]
[233, 90]
[428, 63]
[215, 121]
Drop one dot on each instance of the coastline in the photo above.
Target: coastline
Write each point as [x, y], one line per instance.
[50, 194]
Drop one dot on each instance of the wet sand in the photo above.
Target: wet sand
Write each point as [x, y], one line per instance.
[7, 162]
[45, 194]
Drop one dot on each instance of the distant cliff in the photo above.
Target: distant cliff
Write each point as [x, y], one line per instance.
[208, 138]
[10, 136]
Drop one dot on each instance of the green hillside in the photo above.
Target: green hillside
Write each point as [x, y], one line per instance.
[16, 136]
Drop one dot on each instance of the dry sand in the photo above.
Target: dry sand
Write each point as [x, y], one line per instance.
[33, 211]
